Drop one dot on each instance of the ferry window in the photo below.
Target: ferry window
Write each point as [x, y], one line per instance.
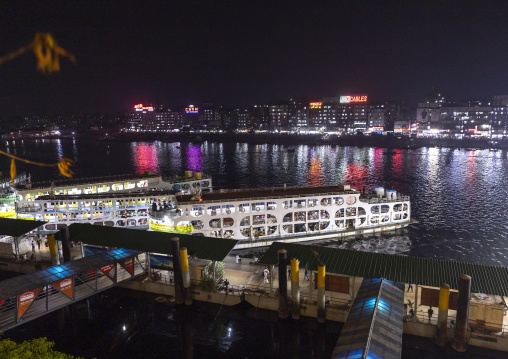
[313, 202]
[288, 228]
[197, 224]
[361, 211]
[103, 189]
[326, 201]
[385, 208]
[259, 206]
[302, 227]
[205, 184]
[324, 225]
[271, 230]
[245, 221]
[117, 186]
[300, 216]
[258, 231]
[405, 206]
[351, 212]
[374, 220]
[397, 207]
[314, 226]
[325, 214]
[228, 222]
[288, 204]
[271, 218]
[213, 210]
[272, 206]
[260, 219]
[350, 200]
[374, 209]
[313, 215]
[228, 209]
[299, 203]
[288, 218]
[245, 232]
[142, 184]
[339, 213]
[197, 211]
[339, 201]
[129, 185]
[339, 224]
[229, 233]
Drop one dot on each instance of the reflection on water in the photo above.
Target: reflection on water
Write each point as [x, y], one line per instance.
[388, 244]
[457, 196]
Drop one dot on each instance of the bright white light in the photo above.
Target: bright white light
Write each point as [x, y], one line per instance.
[124, 327]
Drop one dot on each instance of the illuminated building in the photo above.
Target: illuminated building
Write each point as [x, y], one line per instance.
[242, 118]
[279, 116]
[150, 119]
[211, 117]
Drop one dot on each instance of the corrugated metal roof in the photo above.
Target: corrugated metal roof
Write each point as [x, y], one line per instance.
[405, 269]
[17, 227]
[373, 328]
[154, 242]
[27, 282]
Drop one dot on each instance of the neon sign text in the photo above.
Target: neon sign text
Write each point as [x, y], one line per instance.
[191, 109]
[140, 107]
[316, 104]
[349, 99]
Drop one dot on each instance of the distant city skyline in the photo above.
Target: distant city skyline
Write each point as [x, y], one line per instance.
[241, 54]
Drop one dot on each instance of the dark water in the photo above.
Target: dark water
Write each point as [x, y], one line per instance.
[458, 196]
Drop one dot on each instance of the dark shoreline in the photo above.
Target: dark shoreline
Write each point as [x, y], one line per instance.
[392, 141]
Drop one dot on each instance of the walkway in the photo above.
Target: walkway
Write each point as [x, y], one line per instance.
[30, 296]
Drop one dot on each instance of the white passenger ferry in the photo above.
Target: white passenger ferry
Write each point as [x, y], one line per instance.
[257, 217]
[117, 201]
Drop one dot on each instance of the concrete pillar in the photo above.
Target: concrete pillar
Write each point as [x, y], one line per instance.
[187, 295]
[82, 247]
[52, 250]
[442, 317]
[295, 289]
[177, 268]
[283, 285]
[459, 342]
[321, 310]
[66, 244]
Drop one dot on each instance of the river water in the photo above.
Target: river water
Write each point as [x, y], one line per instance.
[458, 196]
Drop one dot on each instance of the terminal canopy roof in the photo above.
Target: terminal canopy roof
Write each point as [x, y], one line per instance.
[405, 269]
[17, 227]
[154, 242]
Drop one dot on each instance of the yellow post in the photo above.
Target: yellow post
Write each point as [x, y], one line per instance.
[295, 289]
[187, 295]
[53, 250]
[442, 318]
[321, 312]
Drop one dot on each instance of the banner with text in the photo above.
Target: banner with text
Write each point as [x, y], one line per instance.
[109, 270]
[25, 300]
[128, 264]
[65, 286]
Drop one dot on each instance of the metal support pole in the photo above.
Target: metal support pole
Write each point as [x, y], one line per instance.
[82, 245]
[187, 295]
[177, 267]
[321, 310]
[66, 247]
[147, 263]
[271, 279]
[295, 289]
[52, 250]
[459, 342]
[442, 317]
[311, 287]
[283, 285]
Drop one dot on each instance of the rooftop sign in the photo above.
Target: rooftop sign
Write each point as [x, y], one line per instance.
[353, 99]
[140, 107]
[316, 104]
[191, 109]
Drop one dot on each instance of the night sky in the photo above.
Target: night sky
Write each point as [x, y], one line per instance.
[239, 53]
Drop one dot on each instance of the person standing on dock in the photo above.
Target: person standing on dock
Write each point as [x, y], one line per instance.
[430, 312]
[33, 246]
[306, 276]
[410, 287]
[265, 274]
[289, 273]
[237, 258]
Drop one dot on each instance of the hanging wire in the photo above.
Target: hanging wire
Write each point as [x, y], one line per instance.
[63, 165]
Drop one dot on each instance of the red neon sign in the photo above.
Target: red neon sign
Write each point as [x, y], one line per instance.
[316, 104]
[140, 107]
[355, 98]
